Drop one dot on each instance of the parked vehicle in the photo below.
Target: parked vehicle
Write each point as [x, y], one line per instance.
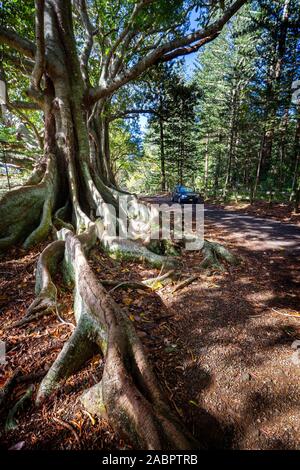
[184, 195]
[10, 168]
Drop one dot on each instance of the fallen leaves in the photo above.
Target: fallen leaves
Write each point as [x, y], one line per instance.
[156, 286]
[185, 321]
[93, 421]
[127, 300]
[3, 298]
[68, 426]
[192, 402]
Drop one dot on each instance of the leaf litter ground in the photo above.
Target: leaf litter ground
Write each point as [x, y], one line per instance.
[221, 347]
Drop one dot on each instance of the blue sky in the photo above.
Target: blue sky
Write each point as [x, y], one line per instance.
[191, 58]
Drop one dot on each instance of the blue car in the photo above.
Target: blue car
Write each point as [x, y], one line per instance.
[184, 195]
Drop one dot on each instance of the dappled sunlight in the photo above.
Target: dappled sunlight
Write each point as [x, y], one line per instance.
[261, 298]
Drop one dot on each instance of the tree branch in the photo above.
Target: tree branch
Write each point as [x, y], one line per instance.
[12, 39]
[25, 105]
[127, 31]
[20, 63]
[123, 114]
[90, 32]
[177, 45]
[189, 49]
[39, 65]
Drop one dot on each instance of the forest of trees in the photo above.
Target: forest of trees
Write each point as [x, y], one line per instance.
[240, 132]
[230, 129]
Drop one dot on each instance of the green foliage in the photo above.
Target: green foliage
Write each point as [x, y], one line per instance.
[19, 15]
[222, 127]
[7, 134]
[124, 151]
[170, 141]
[241, 100]
[207, 132]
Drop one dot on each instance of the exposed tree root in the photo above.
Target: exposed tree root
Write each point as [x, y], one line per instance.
[126, 249]
[26, 211]
[163, 278]
[165, 247]
[41, 232]
[76, 169]
[34, 316]
[45, 289]
[59, 218]
[11, 422]
[20, 212]
[128, 394]
[67, 426]
[214, 253]
[147, 284]
[30, 377]
[79, 348]
[123, 285]
[6, 390]
[36, 175]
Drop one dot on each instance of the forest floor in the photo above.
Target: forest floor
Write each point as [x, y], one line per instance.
[222, 348]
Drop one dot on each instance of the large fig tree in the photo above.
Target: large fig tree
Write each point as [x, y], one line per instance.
[77, 54]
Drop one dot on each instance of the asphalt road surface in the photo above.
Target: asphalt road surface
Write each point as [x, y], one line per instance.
[260, 233]
[263, 233]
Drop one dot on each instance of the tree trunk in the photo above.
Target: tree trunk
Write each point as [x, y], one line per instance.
[72, 192]
[217, 170]
[295, 193]
[206, 166]
[282, 149]
[257, 176]
[162, 154]
[69, 192]
[231, 143]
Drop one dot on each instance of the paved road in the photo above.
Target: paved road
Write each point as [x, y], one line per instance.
[259, 233]
[263, 233]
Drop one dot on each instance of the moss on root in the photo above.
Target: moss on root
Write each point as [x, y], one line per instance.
[215, 255]
[20, 214]
[128, 250]
[26, 211]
